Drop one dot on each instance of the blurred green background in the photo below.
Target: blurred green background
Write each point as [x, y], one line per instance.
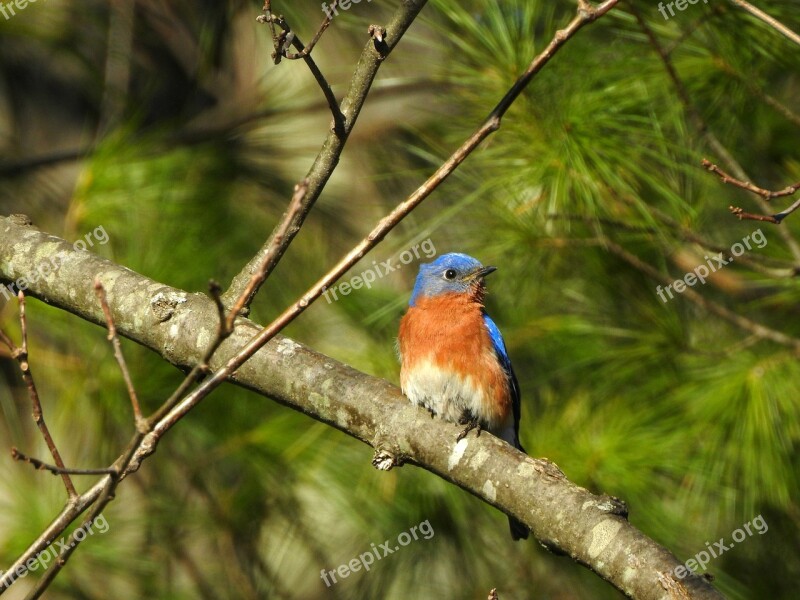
[167, 124]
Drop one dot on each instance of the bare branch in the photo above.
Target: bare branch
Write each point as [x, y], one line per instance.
[21, 356]
[766, 194]
[123, 367]
[746, 185]
[771, 21]
[281, 41]
[746, 216]
[43, 466]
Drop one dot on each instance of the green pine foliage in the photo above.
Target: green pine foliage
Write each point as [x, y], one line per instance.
[692, 420]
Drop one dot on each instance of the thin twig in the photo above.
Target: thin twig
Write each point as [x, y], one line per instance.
[282, 41]
[227, 321]
[771, 21]
[100, 291]
[43, 466]
[746, 185]
[21, 355]
[746, 216]
[307, 49]
[272, 255]
[287, 38]
[766, 194]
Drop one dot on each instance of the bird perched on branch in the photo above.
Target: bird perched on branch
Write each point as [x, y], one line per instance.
[453, 357]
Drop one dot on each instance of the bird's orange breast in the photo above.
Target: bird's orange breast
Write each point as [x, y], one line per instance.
[446, 334]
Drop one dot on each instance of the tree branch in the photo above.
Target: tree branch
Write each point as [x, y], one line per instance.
[766, 194]
[287, 38]
[771, 21]
[21, 356]
[746, 185]
[563, 516]
[123, 366]
[43, 466]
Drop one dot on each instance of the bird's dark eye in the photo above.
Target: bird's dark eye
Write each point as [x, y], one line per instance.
[450, 274]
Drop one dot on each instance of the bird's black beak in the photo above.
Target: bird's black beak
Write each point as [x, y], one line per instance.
[482, 272]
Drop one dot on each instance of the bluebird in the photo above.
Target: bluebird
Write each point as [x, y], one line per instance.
[453, 358]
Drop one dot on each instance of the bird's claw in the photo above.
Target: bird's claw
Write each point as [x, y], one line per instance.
[471, 423]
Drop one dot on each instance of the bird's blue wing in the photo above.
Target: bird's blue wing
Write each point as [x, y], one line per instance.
[502, 354]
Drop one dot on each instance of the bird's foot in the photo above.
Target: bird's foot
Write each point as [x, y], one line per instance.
[471, 423]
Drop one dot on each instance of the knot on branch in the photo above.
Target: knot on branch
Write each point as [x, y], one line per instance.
[164, 305]
[377, 33]
[546, 467]
[612, 505]
[387, 453]
[146, 448]
[21, 220]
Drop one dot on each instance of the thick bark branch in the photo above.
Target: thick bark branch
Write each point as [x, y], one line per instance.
[592, 529]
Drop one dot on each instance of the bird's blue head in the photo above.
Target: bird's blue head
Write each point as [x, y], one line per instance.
[450, 273]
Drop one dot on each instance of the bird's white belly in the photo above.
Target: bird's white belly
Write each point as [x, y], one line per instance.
[446, 394]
